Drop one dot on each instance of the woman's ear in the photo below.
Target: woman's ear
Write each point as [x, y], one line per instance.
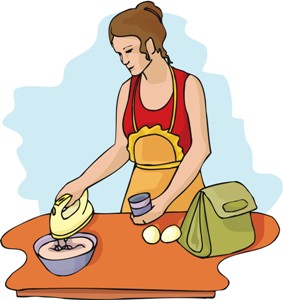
[150, 46]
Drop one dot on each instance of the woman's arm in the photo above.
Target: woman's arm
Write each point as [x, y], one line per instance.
[110, 161]
[195, 157]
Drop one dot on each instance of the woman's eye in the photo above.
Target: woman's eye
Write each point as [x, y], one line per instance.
[129, 51]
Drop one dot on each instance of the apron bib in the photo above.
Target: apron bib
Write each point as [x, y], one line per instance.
[157, 155]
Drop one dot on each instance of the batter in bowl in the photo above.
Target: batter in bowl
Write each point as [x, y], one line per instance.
[64, 249]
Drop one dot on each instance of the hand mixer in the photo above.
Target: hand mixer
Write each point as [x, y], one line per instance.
[67, 220]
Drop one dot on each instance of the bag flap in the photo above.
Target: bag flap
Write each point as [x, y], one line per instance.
[230, 199]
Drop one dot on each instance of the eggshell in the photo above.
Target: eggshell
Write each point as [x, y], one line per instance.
[151, 234]
[170, 234]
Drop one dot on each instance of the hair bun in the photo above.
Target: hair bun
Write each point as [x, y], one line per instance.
[150, 7]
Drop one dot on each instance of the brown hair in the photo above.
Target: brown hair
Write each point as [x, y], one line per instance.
[144, 22]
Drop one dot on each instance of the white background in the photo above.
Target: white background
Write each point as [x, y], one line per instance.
[244, 44]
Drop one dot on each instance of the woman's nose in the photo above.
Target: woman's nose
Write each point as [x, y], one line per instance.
[124, 60]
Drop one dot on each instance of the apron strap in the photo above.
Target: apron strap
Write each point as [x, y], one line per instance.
[174, 101]
[169, 165]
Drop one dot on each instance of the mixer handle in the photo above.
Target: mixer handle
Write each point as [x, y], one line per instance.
[63, 199]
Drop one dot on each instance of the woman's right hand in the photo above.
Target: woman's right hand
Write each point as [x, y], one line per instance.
[75, 188]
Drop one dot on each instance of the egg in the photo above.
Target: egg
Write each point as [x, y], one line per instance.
[170, 234]
[151, 234]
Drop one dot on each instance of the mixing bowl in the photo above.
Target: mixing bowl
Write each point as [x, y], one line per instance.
[70, 265]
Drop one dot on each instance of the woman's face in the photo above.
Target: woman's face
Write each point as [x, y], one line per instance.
[128, 48]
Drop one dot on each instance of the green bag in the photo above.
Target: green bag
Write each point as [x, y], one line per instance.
[218, 220]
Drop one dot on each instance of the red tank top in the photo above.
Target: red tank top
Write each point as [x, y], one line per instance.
[162, 116]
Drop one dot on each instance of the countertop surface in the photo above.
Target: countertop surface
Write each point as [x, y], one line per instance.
[123, 260]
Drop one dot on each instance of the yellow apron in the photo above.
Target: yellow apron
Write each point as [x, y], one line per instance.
[157, 155]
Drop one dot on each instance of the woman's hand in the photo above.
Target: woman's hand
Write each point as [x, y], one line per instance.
[158, 209]
[75, 188]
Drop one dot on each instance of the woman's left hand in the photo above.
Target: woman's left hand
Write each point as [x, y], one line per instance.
[158, 209]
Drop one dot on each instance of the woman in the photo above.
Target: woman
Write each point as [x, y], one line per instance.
[161, 120]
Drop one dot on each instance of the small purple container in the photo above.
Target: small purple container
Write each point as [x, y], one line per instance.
[140, 204]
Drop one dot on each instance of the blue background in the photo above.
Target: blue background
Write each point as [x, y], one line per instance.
[65, 128]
